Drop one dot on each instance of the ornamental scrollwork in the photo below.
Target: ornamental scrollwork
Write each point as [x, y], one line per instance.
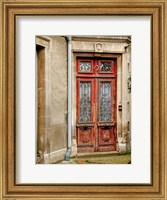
[85, 66]
[105, 101]
[85, 101]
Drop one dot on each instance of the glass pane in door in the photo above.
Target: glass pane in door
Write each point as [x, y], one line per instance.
[105, 101]
[85, 101]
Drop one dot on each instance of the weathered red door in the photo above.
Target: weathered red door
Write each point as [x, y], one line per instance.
[96, 105]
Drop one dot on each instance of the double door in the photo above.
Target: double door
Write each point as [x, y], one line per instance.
[96, 105]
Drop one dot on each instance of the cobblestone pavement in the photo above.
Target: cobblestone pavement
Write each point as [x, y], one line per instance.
[109, 159]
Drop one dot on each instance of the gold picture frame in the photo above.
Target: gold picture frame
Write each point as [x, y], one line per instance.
[158, 11]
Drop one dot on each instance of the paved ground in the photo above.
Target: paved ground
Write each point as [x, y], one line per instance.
[102, 159]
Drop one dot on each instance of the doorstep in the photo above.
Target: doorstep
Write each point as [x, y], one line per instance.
[98, 154]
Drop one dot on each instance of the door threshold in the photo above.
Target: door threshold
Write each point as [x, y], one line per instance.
[98, 154]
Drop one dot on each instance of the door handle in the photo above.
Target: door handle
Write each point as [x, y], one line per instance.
[84, 127]
[107, 125]
[96, 67]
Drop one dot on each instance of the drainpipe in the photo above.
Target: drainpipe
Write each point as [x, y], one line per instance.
[69, 47]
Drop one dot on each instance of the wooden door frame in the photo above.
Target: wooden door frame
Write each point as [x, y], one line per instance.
[119, 58]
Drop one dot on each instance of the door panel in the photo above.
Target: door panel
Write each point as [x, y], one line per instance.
[96, 105]
[85, 126]
[86, 138]
[107, 113]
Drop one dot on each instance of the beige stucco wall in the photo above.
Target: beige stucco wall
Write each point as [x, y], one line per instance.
[58, 137]
[56, 99]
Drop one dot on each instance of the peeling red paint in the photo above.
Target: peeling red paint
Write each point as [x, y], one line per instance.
[94, 134]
